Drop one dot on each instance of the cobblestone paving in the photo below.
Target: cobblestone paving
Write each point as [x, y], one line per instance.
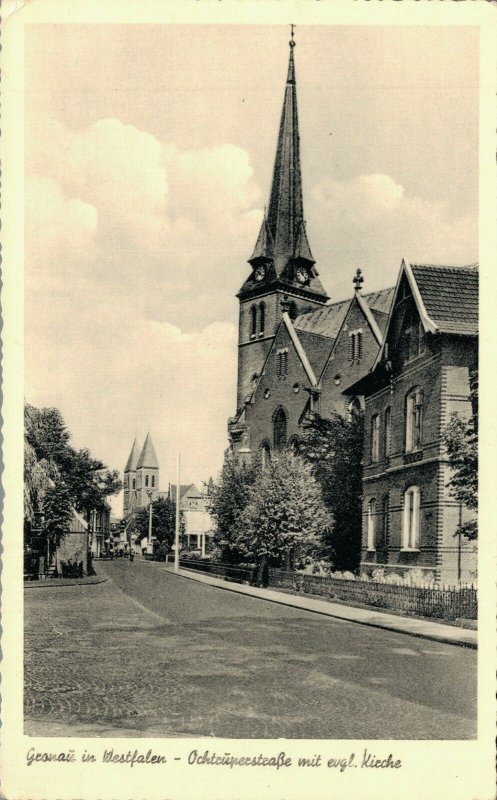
[181, 659]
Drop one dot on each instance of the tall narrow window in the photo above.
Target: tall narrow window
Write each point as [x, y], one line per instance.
[265, 455]
[262, 318]
[279, 429]
[415, 337]
[387, 433]
[410, 527]
[414, 419]
[146, 480]
[282, 363]
[153, 481]
[375, 437]
[371, 533]
[134, 483]
[253, 321]
[385, 520]
[355, 345]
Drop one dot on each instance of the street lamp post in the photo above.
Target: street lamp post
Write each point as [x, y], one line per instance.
[149, 541]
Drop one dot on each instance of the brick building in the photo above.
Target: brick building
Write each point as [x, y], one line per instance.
[401, 356]
[420, 377]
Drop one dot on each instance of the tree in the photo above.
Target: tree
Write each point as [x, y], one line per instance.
[163, 522]
[285, 518]
[228, 499]
[334, 449]
[58, 511]
[461, 441]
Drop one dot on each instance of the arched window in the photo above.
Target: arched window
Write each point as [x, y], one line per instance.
[265, 454]
[262, 318]
[371, 532]
[279, 429]
[282, 362]
[146, 480]
[354, 408]
[375, 437]
[410, 524]
[414, 419]
[253, 321]
[153, 481]
[134, 483]
[387, 432]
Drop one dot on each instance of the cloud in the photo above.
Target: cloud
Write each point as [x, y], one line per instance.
[376, 221]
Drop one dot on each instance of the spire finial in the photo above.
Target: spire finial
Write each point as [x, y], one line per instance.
[292, 40]
[358, 280]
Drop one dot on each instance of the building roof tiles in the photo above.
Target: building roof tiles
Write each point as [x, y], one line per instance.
[450, 296]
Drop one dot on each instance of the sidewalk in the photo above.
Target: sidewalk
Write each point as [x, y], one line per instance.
[411, 626]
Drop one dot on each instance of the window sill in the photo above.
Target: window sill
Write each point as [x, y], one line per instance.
[409, 550]
[261, 334]
[252, 337]
[371, 549]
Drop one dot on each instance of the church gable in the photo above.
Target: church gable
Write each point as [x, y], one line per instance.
[355, 349]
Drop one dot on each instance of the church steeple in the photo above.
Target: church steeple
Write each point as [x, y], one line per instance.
[282, 240]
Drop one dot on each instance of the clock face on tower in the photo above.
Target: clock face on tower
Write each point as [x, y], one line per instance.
[259, 273]
[301, 274]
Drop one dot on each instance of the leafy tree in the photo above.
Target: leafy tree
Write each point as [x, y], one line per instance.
[228, 499]
[163, 522]
[334, 449]
[285, 518]
[461, 441]
[58, 511]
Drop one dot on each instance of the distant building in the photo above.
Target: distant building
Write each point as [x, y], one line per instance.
[194, 507]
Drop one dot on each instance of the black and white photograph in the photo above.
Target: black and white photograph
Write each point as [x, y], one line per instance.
[250, 403]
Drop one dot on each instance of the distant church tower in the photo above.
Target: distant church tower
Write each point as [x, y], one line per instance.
[147, 474]
[284, 276]
[129, 501]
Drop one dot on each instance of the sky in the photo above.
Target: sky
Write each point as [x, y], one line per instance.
[149, 154]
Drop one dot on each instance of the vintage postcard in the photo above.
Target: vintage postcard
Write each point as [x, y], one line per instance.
[248, 347]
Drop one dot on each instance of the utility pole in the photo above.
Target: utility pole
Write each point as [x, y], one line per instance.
[149, 520]
[176, 532]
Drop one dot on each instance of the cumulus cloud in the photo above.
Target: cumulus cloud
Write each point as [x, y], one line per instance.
[376, 221]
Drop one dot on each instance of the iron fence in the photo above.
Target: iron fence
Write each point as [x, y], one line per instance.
[441, 602]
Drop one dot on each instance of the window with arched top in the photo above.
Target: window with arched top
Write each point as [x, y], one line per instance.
[146, 480]
[385, 519]
[253, 320]
[265, 450]
[280, 429]
[411, 521]
[371, 524]
[134, 483]
[153, 481]
[414, 419]
[375, 437]
[262, 318]
[354, 409]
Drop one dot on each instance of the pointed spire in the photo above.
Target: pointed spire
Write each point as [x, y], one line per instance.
[147, 455]
[132, 458]
[285, 219]
[264, 245]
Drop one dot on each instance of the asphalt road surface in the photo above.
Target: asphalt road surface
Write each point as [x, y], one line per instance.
[149, 653]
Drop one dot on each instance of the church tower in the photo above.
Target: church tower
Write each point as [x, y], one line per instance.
[129, 501]
[284, 275]
[147, 474]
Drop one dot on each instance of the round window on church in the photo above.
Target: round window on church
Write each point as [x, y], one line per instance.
[267, 393]
[337, 379]
[296, 388]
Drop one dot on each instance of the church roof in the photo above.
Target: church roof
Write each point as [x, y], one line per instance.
[326, 321]
[148, 457]
[132, 458]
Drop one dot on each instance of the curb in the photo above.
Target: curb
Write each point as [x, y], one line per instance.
[63, 582]
[331, 613]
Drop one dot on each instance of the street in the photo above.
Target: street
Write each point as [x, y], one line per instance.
[149, 653]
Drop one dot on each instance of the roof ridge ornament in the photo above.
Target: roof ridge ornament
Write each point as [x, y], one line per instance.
[292, 40]
[358, 280]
